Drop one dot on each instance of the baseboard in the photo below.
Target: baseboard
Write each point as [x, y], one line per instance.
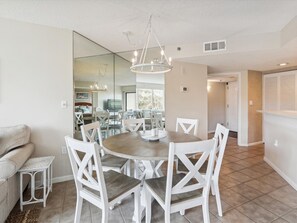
[250, 144]
[62, 179]
[255, 143]
[281, 173]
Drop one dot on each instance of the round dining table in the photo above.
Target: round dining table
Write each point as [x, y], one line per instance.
[131, 145]
[151, 154]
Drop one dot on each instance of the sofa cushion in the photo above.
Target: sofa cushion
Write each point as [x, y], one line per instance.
[3, 190]
[12, 137]
[11, 162]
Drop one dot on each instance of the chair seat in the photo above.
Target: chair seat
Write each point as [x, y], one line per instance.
[158, 185]
[183, 168]
[113, 161]
[117, 184]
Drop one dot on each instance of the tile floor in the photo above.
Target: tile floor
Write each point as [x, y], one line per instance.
[251, 191]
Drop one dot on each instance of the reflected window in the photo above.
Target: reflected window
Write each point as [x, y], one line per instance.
[130, 101]
[150, 99]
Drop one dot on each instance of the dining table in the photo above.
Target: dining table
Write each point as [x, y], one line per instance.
[151, 153]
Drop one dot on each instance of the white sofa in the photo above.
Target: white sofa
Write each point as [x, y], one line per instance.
[15, 150]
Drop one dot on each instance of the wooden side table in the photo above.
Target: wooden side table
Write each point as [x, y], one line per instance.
[32, 167]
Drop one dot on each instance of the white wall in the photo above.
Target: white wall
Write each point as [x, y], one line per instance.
[280, 144]
[192, 104]
[35, 75]
[243, 109]
[216, 104]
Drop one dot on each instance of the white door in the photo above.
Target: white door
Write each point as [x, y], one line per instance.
[232, 106]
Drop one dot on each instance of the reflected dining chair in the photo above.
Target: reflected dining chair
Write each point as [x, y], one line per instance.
[157, 121]
[221, 135]
[79, 120]
[177, 192]
[103, 118]
[134, 125]
[92, 133]
[102, 189]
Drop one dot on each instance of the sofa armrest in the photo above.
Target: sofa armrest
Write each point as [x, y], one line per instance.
[14, 160]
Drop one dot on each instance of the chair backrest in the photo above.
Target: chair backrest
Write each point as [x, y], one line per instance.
[79, 118]
[81, 154]
[134, 125]
[92, 133]
[103, 118]
[193, 180]
[221, 135]
[157, 121]
[187, 125]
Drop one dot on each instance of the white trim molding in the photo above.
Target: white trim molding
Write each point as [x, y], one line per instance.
[251, 144]
[62, 179]
[281, 173]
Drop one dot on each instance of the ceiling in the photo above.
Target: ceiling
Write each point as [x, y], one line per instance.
[259, 34]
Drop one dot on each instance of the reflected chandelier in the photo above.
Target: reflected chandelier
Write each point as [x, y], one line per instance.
[155, 66]
[96, 86]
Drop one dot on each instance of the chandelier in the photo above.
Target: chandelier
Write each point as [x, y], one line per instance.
[97, 86]
[154, 66]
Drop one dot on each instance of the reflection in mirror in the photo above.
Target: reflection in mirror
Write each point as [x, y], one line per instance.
[149, 95]
[93, 81]
[105, 89]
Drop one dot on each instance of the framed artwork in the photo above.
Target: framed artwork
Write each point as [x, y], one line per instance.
[82, 96]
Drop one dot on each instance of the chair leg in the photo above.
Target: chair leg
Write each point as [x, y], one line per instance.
[78, 209]
[205, 210]
[148, 209]
[128, 166]
[136, 171]
[104, 215]
[167, 216]
[137, 205]
[218, 198]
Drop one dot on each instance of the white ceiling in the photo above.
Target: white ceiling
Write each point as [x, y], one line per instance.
[259, 34]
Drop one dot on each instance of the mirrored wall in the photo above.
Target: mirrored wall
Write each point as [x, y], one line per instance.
[105, 89]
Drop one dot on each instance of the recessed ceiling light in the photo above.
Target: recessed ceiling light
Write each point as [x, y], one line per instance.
[283, 64]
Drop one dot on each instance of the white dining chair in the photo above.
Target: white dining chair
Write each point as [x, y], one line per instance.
[176, 192]
[92, 133]
[221, 135]
[134, 125]
[79, 119]
[187, 125]
[102, 189]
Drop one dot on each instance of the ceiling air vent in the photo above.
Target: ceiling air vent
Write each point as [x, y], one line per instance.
[214, 46]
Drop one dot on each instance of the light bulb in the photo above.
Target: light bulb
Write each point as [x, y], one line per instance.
[91, 86]
[169, 60]
[162, 52]
[133, 60]
[135, 53]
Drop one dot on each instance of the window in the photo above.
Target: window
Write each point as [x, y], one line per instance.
[150, 99]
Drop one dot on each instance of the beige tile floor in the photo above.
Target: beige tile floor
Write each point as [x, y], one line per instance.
[251, 191]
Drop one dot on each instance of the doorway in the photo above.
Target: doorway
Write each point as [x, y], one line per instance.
[232, 106]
